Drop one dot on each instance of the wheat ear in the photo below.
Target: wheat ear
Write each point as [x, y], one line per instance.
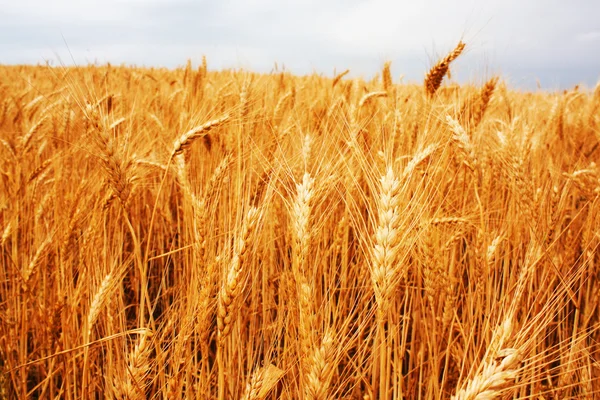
[339, 77]
[463, 141]
[495, 376]
[263, 380]
[202, 208]
[434, 77]
[6, 234]
[188, 138]
[138, 369]
[319, 370]
[385, 250]
[417, 159]
[30, 269]
[387, 76]
[300, 215]
[232, 286]
[104, 291]
[484, 100]
[369, 96]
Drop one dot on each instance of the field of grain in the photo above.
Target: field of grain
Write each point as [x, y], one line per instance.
[201, 234]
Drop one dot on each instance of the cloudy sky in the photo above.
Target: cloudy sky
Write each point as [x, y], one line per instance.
[554, 41]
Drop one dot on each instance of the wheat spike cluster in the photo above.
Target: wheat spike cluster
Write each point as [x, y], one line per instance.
[193, 233]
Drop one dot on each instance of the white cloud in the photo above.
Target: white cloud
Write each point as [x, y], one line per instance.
[510, 35]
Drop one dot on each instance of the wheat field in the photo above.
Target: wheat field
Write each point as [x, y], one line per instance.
[201, 234]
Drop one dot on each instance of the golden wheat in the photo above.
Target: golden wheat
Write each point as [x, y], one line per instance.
[320, 241]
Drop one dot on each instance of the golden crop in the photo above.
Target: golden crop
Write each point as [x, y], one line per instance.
[182, 233]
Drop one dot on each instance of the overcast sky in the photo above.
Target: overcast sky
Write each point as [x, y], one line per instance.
[556, 41]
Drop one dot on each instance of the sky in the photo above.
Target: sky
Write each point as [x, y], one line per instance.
[551, 43]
